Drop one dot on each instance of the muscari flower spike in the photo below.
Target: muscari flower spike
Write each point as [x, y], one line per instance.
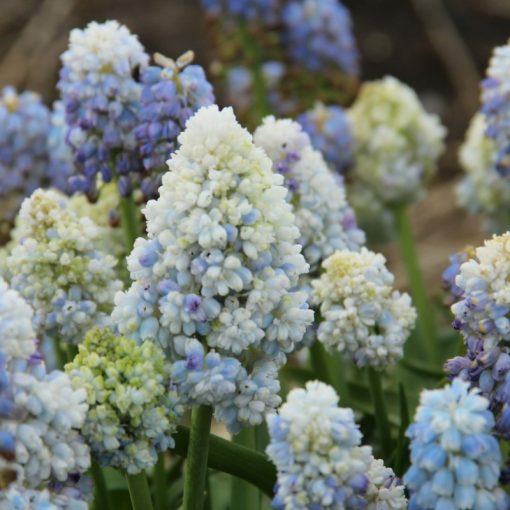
[25, 122]
[41, 414]
[315, 446]
[363, 316]
[323, 216]
[101, 99]
[172, 91]
[481, 315]
[496, 107]
[455, 459]
[330, 132]
[318, 35]
[57, 269]
[214, 282]
[396, 142]
[454, 292]
[483, 190]
[133, 408]
[17, 498]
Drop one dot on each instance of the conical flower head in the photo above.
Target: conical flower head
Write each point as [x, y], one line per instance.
[220, 264]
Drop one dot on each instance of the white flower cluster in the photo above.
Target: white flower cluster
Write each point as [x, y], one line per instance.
[16, 334]
[396, 142]
[483, 190]
[56, 267]
[221, 260]
[315, 446]
[325, 220]
[362, 315]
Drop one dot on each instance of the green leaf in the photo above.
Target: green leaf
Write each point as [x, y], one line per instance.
[401, 462]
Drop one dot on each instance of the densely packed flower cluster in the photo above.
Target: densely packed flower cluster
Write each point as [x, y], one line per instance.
[315, 446]
[24, 122]
[101, 95]
[132, 407]
[40, 411]
[481, 316]
[325, 220]
[219, 265]
[318, 35]
[330, 132]
[496, 107]
[483, 190]
[456, 461]
[396, 142]
[56, 267]
[453, 291]
[363, 316]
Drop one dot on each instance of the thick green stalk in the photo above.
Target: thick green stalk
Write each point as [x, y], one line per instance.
[261, 106]
[196, 465]
[130, 219]
[160, 483]
[330, 369]
[245, 495]
[139, 491]
[426, 325]
[381, 414]
[233, 459]
[101, 494]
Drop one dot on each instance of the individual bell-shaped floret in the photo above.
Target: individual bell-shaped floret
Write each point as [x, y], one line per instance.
[455, 459]
[363, 316]
[133, 407]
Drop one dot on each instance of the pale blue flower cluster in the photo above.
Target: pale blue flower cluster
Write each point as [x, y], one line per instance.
[325, 220]
[456, 461]
[132, 406]
[481, 315]
[41, 413]
[496, 107]
[59, 268]
[101, 97]
[219, 268]
[24, 124]
[330, 132]
[172, 92]
[315, 446]
[318, 35]
[69, 498]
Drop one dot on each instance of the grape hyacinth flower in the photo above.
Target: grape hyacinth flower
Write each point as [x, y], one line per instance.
[454, 292]
[56, 267]
[330, 132]
[133, 409]
[214, 283]
[483, 190]
[323, 216]
[315, 446]
[17, 498]
[396, 142]
[363, 316]
[481, 315]
[318, 35]
[24, 121]
[172, 91]
[101, 99]
[455, 459]
[496, 107]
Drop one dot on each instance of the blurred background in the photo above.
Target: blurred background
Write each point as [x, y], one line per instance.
[438, 47]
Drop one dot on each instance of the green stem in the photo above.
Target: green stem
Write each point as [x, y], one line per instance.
[139, 491]
[426, 325]
[381, 414]
[252, 51]
[160, 483]
[245, 495]
[130, 219]
[330, 369]
[101, 494]
[233, 459]
[196, 465]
